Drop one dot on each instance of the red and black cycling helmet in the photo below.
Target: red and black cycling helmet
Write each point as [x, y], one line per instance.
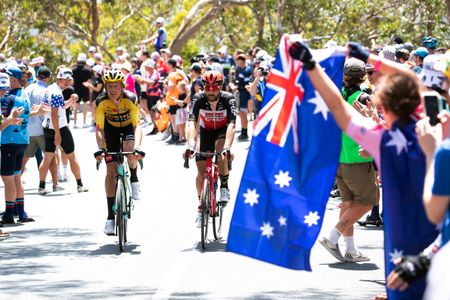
[212, 78]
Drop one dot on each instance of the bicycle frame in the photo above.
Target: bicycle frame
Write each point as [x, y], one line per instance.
[212, 173]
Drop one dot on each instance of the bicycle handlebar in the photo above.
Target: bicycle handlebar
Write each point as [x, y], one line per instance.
[187, 155]
[141, 163]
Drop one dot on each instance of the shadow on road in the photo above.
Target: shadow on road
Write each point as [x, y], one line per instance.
[354, 266]
[113, 249]
[312, 293]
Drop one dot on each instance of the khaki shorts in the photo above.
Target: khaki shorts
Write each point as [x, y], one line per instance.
[35, 143]
[357, 182]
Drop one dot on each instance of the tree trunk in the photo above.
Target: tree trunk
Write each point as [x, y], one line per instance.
[95, 21]
[448, 8]
[278, 26]
[187, 29]
[261, 22]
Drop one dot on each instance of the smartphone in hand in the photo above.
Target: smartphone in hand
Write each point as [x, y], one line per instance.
[432, 107]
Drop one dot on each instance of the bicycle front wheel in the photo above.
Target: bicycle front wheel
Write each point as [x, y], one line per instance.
[120, 213]
[217, 221]
[205, 198]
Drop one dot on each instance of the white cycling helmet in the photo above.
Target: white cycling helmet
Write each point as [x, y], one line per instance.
[4, 81]
[64, 73]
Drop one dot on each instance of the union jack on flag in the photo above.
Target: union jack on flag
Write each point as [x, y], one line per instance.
[290, 167]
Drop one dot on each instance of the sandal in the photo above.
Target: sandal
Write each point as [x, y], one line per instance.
[26, 220]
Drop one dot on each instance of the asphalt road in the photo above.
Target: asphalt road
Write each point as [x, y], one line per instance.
[65, 255]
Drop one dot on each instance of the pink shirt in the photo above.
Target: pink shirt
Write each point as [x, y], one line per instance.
[129, 83]
[367, 133]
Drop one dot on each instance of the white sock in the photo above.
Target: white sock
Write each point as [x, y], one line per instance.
[350, 245]
[65, 171]
[334, 236]
[60, 172]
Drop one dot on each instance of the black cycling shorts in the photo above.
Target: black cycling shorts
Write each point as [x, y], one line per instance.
[112, 136]
[11, 160]
[67, 143]
[208, 139]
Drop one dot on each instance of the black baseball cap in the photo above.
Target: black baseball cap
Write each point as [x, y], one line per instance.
[44, 72]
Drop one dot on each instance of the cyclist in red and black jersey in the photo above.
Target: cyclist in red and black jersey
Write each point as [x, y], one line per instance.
[212, 119]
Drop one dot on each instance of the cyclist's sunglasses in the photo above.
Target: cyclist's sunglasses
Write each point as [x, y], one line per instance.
[370, 73]
[212, 87]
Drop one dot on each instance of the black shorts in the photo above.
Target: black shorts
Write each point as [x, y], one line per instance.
[143, 96]
[112, 136]
[82, 97]
[151, 101]
[67, 143]
[11, 160]
[208, 139]
[173, 109]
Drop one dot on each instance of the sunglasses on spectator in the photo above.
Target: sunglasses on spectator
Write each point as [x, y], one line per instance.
[212, 87]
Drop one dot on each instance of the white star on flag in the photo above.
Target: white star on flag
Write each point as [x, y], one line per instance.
[282, 179]
[396, 254]
[282, 221]
[251, 197]
[267, 230]
[398, 140]
[312, 218]
[321, 106]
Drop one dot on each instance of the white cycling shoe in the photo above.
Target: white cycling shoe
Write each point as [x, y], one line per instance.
[109, 227]
[135, 190]
[224, 196]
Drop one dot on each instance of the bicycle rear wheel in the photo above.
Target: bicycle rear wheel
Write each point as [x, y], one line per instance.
[120, 217]
[205, 212]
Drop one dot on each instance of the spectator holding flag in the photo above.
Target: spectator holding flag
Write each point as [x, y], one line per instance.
[395, 150]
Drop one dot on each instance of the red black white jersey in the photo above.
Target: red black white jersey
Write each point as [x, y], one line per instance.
[202, 113]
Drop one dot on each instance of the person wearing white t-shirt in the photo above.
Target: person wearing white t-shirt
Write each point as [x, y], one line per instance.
[56, 131]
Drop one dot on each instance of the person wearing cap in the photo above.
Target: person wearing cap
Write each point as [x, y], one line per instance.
[56, 130]
[355, 176]
[98, 57]
[36, 92]
[14, 141]
[419, 55]
[81, 74]
[95, 88]
[244, 74]
[144, 58]
[196, 80]
[160, 38]
[227, 63]
[172, 92]
[153, 89]
[129, 78]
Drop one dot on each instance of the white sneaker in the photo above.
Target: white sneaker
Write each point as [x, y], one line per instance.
[224, 196]
[109, 227]
[82, 189]
[333, 249]
[86, 125]
[135, 190]
[76, 126]
[42, 191]
[165, 135]
[198, 220]
[358, 257]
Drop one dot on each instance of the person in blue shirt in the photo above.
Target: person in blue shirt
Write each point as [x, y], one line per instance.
[244, 74]
[160, 38]
[14, 141]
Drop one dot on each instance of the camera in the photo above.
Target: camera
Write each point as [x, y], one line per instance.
[264, 71]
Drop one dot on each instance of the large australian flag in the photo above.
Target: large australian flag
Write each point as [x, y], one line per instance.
[290, 166]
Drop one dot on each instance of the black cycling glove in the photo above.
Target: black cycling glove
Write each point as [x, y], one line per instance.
[300, 51]
[412, 268]
[99, 152]
[357, 51]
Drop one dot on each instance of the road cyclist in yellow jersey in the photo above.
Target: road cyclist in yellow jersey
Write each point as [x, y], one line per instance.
[117, 115]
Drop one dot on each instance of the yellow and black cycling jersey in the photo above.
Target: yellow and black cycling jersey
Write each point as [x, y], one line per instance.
[118, 116]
